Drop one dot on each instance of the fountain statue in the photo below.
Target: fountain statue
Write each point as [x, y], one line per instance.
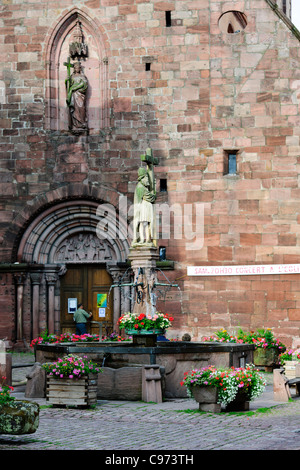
[143, 252]
[144, 219]
[146, 353]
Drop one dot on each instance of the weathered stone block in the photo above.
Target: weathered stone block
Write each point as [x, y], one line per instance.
[36, 382]
[120, 384]
[19, 417]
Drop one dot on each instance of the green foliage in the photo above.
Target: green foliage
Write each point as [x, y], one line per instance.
[261, 338]
[5, 390]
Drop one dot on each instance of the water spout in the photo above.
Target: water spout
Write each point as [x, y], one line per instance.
[105, 356]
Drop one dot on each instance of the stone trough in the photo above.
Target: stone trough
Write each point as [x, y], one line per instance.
[123, 364]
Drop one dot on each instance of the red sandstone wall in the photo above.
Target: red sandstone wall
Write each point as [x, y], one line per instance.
[206, 92]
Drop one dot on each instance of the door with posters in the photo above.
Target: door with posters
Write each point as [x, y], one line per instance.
[88, 285]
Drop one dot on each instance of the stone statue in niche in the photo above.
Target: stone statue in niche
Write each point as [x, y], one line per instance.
[82, 248]
[144, 219]
[76, 88]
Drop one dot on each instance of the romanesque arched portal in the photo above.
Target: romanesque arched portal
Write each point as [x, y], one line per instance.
[66, 236]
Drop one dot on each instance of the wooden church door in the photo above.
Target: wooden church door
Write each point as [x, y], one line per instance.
[88, 285]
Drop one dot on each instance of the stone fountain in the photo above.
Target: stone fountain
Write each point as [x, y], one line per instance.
[125, 365]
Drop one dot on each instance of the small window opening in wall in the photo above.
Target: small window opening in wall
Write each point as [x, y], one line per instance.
[163, 185]
[232, 22]
[230, 29]
[230, 164]
[147, 66]
[284, 6]
[168, 19]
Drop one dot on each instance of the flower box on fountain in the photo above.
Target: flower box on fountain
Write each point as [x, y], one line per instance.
[267, 347]
[140, 323]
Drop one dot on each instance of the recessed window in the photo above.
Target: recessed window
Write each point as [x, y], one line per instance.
[147, 66]
[230, 163]
[168, 19]
[284, 6]
[232, 22]
[163, 185]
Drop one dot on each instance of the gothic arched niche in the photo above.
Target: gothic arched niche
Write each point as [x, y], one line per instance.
[77, 38]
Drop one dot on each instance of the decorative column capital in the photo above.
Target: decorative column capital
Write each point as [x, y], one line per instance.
[20, 278]
[115, 273]
[36, 278]
[51, 278]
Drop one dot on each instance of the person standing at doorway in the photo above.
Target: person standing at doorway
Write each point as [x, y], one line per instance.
[81, 317]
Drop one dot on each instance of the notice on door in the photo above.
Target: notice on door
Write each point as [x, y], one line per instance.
[72, 305]
[101, 304]
[102, 312]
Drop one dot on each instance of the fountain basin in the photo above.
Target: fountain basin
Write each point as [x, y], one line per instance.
[174, 358]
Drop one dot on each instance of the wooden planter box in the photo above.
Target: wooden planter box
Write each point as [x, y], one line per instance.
[72, 392]
[292, 369]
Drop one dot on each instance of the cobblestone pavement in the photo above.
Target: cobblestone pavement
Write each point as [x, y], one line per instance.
[174, 425]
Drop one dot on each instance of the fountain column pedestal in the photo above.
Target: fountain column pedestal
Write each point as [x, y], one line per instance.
[143, 262]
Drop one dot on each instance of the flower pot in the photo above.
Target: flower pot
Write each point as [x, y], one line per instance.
[19, 417]
[240, 403]
[72, 392]
[290, 369]
[155, 331]
[207, 398]
[265, 357]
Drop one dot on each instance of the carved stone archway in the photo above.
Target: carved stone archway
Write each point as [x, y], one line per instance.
[63, 234]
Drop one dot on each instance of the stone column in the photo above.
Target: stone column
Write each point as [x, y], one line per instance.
[20, 280]
[126, 294]
[35, 281]
[115, 274]
[51, 281]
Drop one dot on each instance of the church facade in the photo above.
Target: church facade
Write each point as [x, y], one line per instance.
[213, 88]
